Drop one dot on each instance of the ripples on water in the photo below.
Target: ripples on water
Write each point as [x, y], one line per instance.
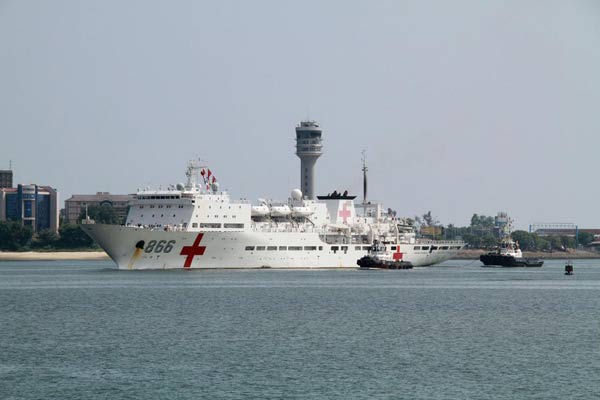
[74, 330]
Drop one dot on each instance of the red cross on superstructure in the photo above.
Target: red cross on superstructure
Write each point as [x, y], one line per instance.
[344, 212]
[192, 251]
[397, 255]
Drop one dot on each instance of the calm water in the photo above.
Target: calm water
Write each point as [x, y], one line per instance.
[80, 330]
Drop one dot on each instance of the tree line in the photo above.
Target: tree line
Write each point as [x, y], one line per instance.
[482, 233]
[16, 237]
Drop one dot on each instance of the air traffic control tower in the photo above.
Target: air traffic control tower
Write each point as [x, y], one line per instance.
[308, 148]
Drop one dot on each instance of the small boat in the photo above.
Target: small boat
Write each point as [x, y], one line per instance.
[301, 211]
[280, 210]
[509, 255]
[260, 211]
[380, 258]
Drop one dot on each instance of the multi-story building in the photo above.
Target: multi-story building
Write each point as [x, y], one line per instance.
[31, 205]
[78, 202]
[6, 178]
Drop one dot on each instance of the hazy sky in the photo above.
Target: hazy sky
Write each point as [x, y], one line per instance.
[462, 106]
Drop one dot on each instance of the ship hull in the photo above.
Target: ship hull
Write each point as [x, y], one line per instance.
[498, 260]
[139, 248]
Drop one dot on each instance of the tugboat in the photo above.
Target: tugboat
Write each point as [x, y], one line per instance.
[380, 258]
[509, 255]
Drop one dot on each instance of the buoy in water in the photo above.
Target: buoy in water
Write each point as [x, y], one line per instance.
[569, 268]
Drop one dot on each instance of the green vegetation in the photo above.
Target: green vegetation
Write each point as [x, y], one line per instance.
[482, 234]
[15, 237]
[102, 214]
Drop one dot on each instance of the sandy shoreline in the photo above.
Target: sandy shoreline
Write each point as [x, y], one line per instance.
[54, 255]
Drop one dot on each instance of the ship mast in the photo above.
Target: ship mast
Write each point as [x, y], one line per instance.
[364, 169]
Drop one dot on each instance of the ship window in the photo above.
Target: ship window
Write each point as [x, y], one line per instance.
[283, 248]
[141, 206]
[162, 215]
[209, 225]
[310, 248]
[249, 248]
[368, 248]
[345, 248]
[320, 247]
[195, 225]
[356, 247]
[457, 247]
[261, 248]
[335, 248]
[425, 248]
[271, 248]
[434, 248]
[142, 216]
[294, 248]
[152, 215]
[185, 224]
[234, 226]
[173, 215]
[417, 247]
[444, 248]
[393, 248]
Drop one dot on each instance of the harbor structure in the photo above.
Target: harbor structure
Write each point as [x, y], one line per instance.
[31, 205]
[77, 203]
[308, 148]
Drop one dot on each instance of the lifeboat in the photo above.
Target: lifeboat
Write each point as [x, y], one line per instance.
[280, 211]
[301, 211]
[259, 211]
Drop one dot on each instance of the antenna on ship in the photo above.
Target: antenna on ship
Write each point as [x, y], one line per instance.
[364, 169]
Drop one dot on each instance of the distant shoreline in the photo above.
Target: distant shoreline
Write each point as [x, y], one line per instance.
[555, 255]
[52, 255]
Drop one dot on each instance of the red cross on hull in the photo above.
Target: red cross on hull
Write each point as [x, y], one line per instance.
[398, 255]
[192, 251]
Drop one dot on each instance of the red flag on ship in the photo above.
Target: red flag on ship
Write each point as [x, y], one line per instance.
[202, 172]
[214, 179]
[209, 173]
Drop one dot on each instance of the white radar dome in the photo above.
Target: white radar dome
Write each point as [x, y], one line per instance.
[297, 194]
[180, 186]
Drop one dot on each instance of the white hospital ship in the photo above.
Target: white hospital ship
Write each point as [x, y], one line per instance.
[196, 225]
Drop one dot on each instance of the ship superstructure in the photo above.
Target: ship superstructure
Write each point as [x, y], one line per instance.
[196, 225]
